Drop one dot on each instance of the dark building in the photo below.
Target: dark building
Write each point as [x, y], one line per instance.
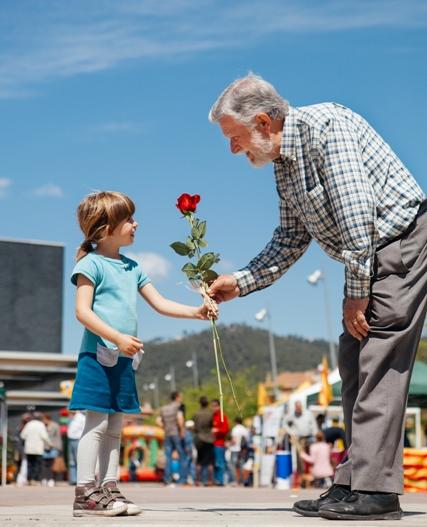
[31, 284]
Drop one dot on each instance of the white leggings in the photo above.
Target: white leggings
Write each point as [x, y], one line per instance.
[100, 440]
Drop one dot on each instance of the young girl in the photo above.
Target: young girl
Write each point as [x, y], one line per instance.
[107, 285]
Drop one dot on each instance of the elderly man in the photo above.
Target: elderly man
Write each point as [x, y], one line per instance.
[340, 183]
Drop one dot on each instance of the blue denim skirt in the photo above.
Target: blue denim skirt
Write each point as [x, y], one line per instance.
[106, 389]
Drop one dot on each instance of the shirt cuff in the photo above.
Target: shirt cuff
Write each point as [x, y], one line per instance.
[356, 287]
[245, 281]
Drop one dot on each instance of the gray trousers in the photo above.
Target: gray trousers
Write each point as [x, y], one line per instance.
[376, 372]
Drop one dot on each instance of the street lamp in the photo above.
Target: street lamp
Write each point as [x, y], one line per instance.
[170, 377]
[193, 364]
[314, 279]
[154, 387]
[260, 316]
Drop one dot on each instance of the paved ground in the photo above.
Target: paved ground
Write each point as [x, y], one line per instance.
[204, 507]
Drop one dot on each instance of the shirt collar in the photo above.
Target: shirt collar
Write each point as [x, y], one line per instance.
[287, 148]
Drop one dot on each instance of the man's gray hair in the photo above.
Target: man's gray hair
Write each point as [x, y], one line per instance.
[244, 98]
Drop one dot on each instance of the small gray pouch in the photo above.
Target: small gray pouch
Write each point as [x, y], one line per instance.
[137, 358]
[107, 356]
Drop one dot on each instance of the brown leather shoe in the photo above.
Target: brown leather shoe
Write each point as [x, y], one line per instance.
[113, 489]
[91, 500]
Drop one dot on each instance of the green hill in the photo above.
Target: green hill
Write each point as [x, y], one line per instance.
[245, 349]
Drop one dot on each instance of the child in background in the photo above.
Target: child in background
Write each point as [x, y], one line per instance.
[107, 286]
[320, 458]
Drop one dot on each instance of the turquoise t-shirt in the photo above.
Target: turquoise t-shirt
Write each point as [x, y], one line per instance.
[115, 296]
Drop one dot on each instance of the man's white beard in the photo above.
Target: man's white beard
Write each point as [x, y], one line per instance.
[264, 148]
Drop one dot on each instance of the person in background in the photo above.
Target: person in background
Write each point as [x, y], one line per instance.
[319, 457]
[301, 426]
[203, 438]
[19, 453]
[172, 421]
[50, 454]
[36, 440]
[220, 430]
[74, 433]
[301, 422]
[188, 442]
[336, 437]
[247, 457]
[335, 432]
[239, 432]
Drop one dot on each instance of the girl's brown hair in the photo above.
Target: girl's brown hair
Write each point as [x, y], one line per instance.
[99, 214]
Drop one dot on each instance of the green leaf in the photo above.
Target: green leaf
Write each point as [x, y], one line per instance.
[180, 248]
[195, 232]
[206, 261]
[190, 244]
[209, 275]
[202, 229]
[203, 243]
[190, 270]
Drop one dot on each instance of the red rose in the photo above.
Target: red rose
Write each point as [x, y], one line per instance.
[187, 203]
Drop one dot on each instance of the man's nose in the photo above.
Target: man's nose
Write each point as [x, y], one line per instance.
[234, 146]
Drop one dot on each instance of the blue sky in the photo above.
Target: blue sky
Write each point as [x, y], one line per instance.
[115, 95]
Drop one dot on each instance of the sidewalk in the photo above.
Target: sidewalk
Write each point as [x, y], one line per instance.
[169, 507]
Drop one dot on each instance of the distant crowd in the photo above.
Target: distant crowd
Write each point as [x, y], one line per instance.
[205, 450]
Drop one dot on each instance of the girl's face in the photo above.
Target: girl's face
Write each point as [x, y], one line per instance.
[124, 233]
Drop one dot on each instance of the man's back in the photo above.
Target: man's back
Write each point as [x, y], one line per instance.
[169, 415]
[203, 425]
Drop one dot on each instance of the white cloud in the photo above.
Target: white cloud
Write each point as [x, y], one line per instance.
[4, 186]
[66, 39]
[48, 191]
[155, 265]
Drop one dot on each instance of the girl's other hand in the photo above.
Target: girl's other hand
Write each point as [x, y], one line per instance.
[128, 345]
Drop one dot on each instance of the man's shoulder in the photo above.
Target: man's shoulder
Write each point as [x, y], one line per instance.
[317, 116]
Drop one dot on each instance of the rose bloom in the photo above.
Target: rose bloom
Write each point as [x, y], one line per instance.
[187, 203]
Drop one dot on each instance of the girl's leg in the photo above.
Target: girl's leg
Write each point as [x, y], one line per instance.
[109, 454]
[89, 446]
[109, 457]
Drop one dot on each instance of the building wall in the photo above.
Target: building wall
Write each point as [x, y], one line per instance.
[31, 284]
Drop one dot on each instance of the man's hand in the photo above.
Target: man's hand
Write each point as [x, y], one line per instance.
[224, 288]
[354, 317]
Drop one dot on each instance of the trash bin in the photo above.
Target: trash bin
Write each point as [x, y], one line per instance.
[283, 469]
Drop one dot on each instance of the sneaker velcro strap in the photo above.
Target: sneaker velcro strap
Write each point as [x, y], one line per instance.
[99, 496]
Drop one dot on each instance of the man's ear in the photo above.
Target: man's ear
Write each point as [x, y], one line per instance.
[263, 122]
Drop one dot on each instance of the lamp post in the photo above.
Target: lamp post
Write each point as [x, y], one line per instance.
[193, 365]
[314, 279]
[154, 387]
[170, 377]
[260, 316]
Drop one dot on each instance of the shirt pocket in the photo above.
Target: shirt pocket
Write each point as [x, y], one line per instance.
[107, 356]
[318, 211]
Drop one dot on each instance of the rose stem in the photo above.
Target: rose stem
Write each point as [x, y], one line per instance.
[221, 397]
[225, 368]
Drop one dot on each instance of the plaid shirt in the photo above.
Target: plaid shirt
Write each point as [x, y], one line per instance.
[341, 184]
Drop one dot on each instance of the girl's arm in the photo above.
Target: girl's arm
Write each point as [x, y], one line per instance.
[127, 344]
[170, 308]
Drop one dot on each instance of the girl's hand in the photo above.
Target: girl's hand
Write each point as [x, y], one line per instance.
[128, 345]
[208, 311]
